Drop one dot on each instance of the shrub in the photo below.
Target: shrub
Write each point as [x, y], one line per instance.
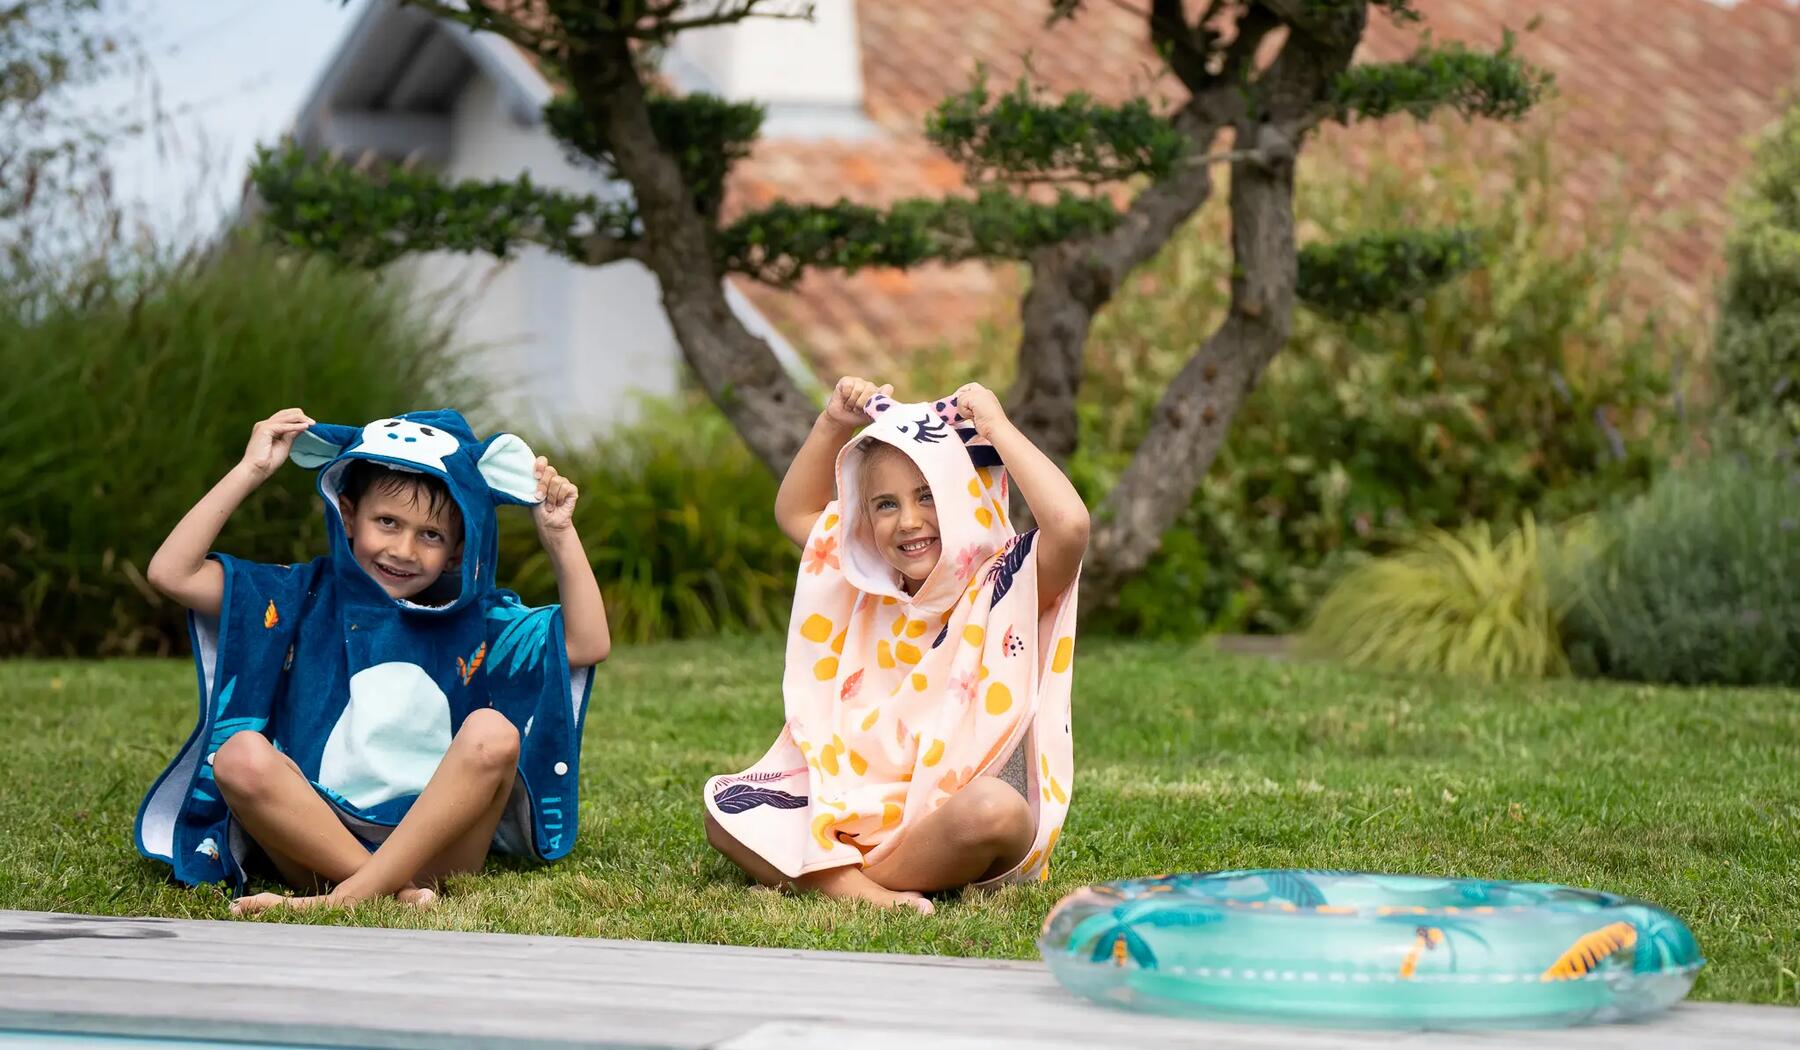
[1694, 582]
[1756, 359]
[1458, 604]
[128, 398]
[678, 519]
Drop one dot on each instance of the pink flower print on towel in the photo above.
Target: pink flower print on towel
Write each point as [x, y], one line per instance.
[821, 555]
[969, 559]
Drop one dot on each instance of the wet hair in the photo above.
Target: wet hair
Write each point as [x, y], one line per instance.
[361, 475]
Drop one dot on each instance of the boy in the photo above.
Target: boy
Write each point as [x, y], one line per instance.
[348, 725]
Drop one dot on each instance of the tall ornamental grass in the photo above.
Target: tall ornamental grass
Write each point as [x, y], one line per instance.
[1460, 603]
[127, 399]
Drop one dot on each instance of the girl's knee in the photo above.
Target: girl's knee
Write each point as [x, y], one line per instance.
[491, 740]
[246, 763]
[992, 813]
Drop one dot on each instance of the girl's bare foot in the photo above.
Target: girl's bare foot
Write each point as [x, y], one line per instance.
[852, 884]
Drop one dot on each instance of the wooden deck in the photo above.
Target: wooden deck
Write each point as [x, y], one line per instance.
[337, 986]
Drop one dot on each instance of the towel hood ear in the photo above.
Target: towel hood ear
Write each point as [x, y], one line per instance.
[981, 453]
[508, 465]
[321, 443]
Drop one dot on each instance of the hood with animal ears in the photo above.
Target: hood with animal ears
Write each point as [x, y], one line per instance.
[482, 474]
[968, 490]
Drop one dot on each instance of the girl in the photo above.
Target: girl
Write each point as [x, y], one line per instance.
[927, 743]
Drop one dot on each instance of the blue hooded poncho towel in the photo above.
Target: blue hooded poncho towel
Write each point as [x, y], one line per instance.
[363, 691]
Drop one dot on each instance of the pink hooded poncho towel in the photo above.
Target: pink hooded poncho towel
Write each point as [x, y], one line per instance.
[894, 702]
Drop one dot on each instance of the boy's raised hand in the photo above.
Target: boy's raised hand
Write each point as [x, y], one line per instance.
[557, 495]
[850, 396]
[271, 439]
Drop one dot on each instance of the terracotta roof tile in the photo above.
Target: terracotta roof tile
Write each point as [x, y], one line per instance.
[1660, 98]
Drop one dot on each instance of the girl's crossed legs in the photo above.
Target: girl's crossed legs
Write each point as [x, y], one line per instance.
[979, 832]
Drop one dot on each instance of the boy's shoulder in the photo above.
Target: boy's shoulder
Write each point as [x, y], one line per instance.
[273, 576]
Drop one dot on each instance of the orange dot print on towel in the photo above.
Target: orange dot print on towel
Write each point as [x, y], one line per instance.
[1052, 790]
[816, 628]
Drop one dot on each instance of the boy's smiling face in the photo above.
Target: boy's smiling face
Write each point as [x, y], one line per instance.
[902, 516]
[400, 540]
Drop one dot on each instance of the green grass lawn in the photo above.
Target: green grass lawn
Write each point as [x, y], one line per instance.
[1187, 760]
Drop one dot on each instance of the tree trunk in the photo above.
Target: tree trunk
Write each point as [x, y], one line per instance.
[1070, 283]
[1195, 413]
[738, 369]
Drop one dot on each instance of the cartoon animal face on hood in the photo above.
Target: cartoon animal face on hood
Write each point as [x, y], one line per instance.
[481, 475]
[968, 490]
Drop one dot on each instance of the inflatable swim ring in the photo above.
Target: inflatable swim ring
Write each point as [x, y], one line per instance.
[1331, 947]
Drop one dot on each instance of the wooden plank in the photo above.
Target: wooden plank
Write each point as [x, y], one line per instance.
[350, 986]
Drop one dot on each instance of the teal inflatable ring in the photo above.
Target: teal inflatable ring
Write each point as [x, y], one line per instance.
[1339, 947]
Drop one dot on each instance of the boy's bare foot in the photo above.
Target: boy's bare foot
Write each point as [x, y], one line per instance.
[412, 896]
[853, 884]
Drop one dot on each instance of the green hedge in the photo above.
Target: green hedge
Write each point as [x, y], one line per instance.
[1756, 360]
[1697, 582]
[128, 399]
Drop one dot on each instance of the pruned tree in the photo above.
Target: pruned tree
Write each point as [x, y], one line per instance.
[1255, 77]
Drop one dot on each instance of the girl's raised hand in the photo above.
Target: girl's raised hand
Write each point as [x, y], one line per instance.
[850, 397]
[271, 439]
[979, 405]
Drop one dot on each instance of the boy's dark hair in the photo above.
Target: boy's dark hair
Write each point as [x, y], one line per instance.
[361, 475]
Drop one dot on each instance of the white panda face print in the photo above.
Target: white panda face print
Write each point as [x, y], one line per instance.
[404, 439]
[389, 738]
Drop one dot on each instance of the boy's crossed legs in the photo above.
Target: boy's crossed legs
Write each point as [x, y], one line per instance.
[447, 831]
[979, 832]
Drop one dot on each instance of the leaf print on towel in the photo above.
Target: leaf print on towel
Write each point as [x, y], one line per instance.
[1011, 560]
[526, 636]
[851, 686]
[821, 555]
[762, 778]
[738, 798]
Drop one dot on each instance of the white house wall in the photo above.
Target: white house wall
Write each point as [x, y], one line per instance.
[568, 348]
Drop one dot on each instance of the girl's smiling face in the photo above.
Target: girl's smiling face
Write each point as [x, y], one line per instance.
[400, 540]
[902, 518]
